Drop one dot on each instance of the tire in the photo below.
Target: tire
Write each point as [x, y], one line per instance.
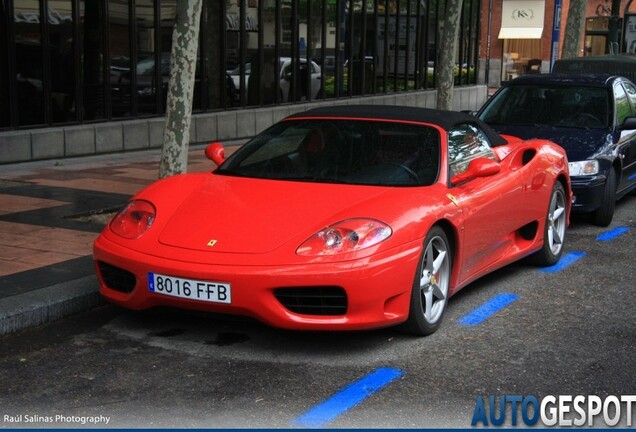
[429, 294]
[603, 215]
[554, 229]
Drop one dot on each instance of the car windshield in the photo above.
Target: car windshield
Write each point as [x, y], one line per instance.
[362, 152]
[560, 106]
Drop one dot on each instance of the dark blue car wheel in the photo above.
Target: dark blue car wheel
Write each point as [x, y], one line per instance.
[603, 215]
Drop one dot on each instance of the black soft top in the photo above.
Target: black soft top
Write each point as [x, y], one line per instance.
[445, 119]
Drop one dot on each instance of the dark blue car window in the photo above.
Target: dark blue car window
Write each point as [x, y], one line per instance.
[551, 105]
[623, 108]
[631, 94]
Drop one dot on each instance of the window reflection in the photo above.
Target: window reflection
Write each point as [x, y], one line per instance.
[235, 57]
[29, 68]
[62, 58]
[91, 33]
[251, 53]
[5, 116]
[219, 90]
[168, 13]
[120, 67]
[152, 77]
[465, 144]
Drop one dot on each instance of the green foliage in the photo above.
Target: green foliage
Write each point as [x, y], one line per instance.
[467, 78]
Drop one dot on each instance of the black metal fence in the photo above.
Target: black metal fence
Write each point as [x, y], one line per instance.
[78, 61]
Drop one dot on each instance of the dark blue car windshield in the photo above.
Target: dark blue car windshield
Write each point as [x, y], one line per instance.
[559, 106]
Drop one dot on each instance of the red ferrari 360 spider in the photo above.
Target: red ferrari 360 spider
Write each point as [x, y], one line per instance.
[340, 218]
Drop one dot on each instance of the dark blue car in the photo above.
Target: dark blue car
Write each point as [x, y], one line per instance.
[593, 117]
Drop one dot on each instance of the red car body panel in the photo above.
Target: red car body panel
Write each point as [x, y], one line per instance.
[245, 232]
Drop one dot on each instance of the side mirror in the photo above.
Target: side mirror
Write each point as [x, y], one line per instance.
[629, 124]
[215, 152]
[480, 167]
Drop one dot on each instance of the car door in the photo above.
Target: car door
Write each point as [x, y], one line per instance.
[627, 143]
[490, 204]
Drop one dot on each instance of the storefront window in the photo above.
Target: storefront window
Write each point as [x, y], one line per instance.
[236, 60]
[28, 62]
[219, 88]
[431, 41]
[110, 59]
[259, 68]
[268, 35]
[167, 14]
[467, 47]
[596, 34]
[152, 74]
[521, 56]
[93, 56]
[120, 63]
[5, 113]
[61, 54]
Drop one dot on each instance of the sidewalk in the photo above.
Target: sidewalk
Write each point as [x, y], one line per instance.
[47, 227]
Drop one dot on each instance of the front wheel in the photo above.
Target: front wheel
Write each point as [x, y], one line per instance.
[554, 230]
[603, 215]
[430, 290]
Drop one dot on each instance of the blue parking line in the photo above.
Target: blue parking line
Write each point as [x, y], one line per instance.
[488, 309]
[347, 398]
[612, 234]
[631, 177]
[565, 261]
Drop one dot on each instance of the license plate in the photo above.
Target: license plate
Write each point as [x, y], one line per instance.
[215, 292]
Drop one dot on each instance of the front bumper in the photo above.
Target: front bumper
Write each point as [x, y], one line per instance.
[587, 193]
[378, 288]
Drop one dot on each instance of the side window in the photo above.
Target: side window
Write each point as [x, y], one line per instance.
[623, 109]
[465, 143]
[631, 94]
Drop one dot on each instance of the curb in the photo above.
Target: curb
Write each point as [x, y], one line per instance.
[48, 304]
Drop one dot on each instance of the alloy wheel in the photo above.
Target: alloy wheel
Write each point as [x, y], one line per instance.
[434, 280]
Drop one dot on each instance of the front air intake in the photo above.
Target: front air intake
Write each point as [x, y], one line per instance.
[117, 278]
[324, 301]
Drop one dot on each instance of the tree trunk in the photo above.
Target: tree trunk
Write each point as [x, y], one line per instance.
[447, 53]
[574, 29]
[183, 62]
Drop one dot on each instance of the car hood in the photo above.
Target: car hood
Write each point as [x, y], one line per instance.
[579, 144]
[240, 215]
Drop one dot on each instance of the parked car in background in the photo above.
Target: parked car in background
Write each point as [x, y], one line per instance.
[285, 71]
[593, 117]
[613, 64]
[340, 218]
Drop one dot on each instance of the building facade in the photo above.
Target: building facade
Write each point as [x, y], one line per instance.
[526, 36]
[90, 76]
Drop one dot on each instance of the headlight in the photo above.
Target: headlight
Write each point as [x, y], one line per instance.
[583, 168]
[134, 219]
[347, 236]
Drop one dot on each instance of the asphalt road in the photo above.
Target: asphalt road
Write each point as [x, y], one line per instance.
[567, 332]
